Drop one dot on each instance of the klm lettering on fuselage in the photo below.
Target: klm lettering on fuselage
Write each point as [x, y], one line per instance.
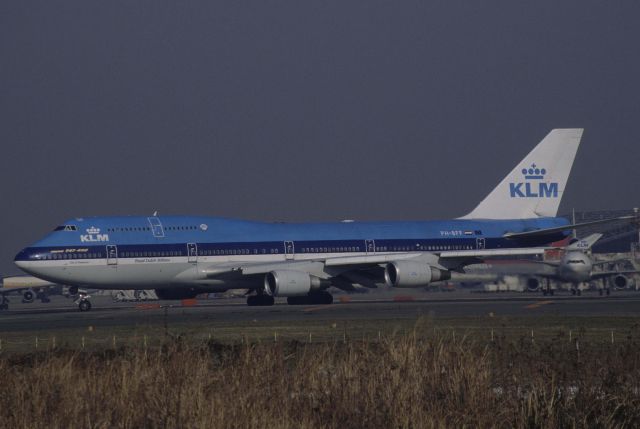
[533, 188]
[93, 234]
[90, 237]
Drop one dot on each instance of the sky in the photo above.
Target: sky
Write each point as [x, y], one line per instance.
[305, 110]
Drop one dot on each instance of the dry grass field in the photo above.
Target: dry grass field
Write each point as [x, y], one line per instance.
[411, 380]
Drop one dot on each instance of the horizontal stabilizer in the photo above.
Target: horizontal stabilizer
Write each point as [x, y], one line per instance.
[548, 231]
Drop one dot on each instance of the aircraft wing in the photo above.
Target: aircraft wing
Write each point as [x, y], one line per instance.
[331, 266]
[604, 274]
[547, 231]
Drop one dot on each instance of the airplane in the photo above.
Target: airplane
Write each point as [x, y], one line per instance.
[182, 256]
[576, 268]
[30, 288]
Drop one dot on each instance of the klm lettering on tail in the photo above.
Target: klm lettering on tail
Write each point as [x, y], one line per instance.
[533, 189]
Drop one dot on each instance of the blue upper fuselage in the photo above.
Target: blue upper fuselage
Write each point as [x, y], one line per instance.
[139, 232]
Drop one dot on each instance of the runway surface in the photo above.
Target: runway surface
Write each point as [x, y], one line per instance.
[61, 313]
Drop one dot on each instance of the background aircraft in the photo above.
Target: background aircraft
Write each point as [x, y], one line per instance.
[577, 267]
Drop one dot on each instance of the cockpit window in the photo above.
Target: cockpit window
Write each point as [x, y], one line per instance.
[576, 261]
[66, 228]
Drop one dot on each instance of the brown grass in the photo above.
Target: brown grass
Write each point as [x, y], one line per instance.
[399, 381]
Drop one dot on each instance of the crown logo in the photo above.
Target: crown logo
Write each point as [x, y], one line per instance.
[93, 230]
[534, 172]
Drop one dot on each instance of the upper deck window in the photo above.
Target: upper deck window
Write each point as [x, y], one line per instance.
[66, 228]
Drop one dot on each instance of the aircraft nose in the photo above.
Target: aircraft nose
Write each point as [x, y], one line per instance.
[22, 258]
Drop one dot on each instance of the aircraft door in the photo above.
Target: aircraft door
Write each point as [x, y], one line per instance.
[156, 226]
[112, 255]
[370, 246]
[192, 252]
[480, 243]
[289, 249]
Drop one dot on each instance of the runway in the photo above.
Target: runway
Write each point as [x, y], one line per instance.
[62, 314]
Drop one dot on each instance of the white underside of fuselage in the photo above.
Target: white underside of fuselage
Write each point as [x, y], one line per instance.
[159, 272]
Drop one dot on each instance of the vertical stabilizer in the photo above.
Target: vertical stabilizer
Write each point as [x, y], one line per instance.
[585, 243]
[534, 188]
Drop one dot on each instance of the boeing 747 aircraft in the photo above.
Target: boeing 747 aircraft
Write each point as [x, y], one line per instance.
[181, 256]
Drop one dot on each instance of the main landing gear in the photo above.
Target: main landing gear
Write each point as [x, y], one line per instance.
[322, 298]
[260, 300]
[604, 289]
[4, 302]
[546, 289]
[314, 298]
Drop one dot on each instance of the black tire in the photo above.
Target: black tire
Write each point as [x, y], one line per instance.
[544, 293]
[579, 292]
[298, 300]
[600, 292]
[551, 292]
[608, 291]
[260, 300]
[84, 305]
[573, 291]
[28, 296]
[323, 298]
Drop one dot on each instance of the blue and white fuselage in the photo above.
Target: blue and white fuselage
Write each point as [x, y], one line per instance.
[164, 252]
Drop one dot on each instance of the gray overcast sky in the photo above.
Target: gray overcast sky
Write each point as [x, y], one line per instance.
[305, 110]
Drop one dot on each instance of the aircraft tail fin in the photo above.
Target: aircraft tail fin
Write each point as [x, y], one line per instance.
[585, 243]
[534, 188]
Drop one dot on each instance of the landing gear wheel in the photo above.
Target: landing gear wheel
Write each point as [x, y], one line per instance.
[579, 292]
[298, 300]
[544, 293]
[608, 291]
[260, 300]
[573, 291]
[323, 298]
[551, 292]
[600, 292]
[84, 305]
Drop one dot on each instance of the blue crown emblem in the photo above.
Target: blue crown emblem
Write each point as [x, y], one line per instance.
[534, 172]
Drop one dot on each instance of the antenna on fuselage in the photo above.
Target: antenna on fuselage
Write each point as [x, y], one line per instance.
[155, 213]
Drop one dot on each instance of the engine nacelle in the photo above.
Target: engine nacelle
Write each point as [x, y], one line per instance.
[620, 281]
[413, 274]
[177, 293]
[291, 283]
[533, 284]
[28, 296]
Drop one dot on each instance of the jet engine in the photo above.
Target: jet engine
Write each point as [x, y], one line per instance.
[533, 284]
[28, 296]
[177, 293]
[413, 274]
[291, 283]
[620, 282]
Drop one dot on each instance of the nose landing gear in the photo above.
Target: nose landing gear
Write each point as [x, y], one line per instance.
[83, 302]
